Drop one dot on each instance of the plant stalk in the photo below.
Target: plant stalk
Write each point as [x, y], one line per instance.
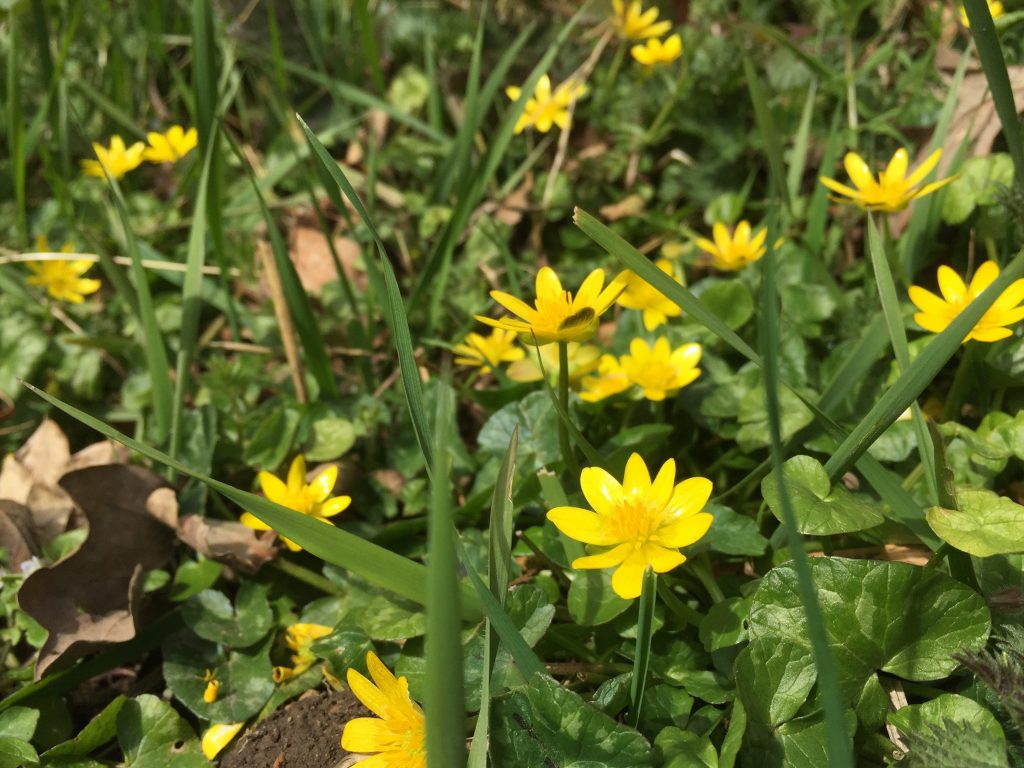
[642, 659]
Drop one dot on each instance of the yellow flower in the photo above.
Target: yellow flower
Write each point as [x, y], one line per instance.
[557, 315]
[62, 278]
[632, 22]
[731, 251]
[937, 313]
[583, 359]
[488, 351]
[170, 147]
[894, 189]
[995, 8]
[397, 739]
[313, 499]
[639, 294]
[299, 638]
[117, 160]
[212, 687]
[218, 736]
[610, 380]
[660, 370]
[546, 108]
[655, 51]
[642, 524]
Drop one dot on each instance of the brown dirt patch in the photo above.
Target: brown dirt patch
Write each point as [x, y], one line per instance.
[303, 734]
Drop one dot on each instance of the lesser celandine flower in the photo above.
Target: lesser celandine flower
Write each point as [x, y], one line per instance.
[660, 371]
[655, 51]
[936, 313]
[397, 739]
[170, 147]
[557, 315]
[639, 294]
[547, 108]
[218, 736]
[299, 638]
[62, 279]
[732, 251]
[995, 8]
[610, 380]
[894, 189]
[640, 523]
[583, 359]
[117, 160]
[632, 22]
[313, 499]
[487, 352]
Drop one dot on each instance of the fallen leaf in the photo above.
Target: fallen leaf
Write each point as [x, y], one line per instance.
[631, 205]
[17, 535]
[91, 598]
[311, 255]
[228, 542]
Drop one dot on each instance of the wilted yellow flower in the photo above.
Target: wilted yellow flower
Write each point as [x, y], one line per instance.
[212, 687]
[660, 370]
[62, 278]
[117, 160]
[488, 352]
[655, 51]
[641, 524]
[994, 7]
[398, 738]
[937, 313]
[610, 380]
[218, 736]
[546, 108]
[556, 315]
[731, 251]
[299, 638]
[894, 189]
[583, 359]
[313, 499]
[632, 22]
[639, 294]
[170, 147]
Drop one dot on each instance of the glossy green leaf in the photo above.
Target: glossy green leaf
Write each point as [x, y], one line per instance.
[947, 706]
[775, 679]
[211, 615]
[153, 735]
[986, 523]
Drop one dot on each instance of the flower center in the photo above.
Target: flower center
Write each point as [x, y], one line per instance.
[635, 521]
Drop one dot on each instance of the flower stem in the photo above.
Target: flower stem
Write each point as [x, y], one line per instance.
[642, 659]
[563, 397]
[702, 570]
[306, 576]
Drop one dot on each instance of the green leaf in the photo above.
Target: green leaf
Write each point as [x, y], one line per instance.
[153, 735]
[392, 619]
[732, 533]
[947, 706]
[724, 625]
[244, 676]
[977, 184]
[19, 723]
[22, 347]
[954, 744]
[332, 438]
[548, 725]
[685, 749]
[775, 679]
[17, 753]
[101, 729]
[271, 441]
[345, 647]
[865, 606]
[730, 300]
[537, 424]
[986, 524]
[591, 600]
[820, 509]
[212, 617]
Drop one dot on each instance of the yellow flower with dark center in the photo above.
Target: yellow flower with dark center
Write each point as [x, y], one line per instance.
[661, 371]
[487, 352]
[117, 160]
[632, 22]
[655, 51]
[995, 8]
[894, 189]
[547, 108]
[731, 251]
[557, 315]
[218, 736]
[62, 278]
[299, 638]
[936, 313]
[313, 499]
[583, 359]
[398, 738]
[170, 147]
[640, 523]
[610, 380]
[639, 294]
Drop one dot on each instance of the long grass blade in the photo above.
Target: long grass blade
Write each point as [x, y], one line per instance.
[769, 132]
[838, 746]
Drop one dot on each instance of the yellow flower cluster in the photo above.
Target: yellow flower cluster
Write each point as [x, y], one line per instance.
[657, 371]
[299, 638]
[118, 159]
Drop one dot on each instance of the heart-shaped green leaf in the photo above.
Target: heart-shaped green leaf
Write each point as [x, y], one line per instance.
[986, 524]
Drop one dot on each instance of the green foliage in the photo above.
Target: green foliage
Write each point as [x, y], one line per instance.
[153, 735]
[985, 524]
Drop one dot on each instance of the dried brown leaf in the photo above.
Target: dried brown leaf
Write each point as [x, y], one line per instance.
[228, 542]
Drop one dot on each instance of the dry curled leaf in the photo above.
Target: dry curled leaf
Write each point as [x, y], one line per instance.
[228, 542]
[91, 598]
[17, 534]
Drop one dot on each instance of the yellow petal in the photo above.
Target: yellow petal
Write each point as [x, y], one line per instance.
[637, 480]
[323, 484]
[662, 487]
[275, 490]
[984, 277]
[607, 559]
[838, 188]
[689, 497]
[218, 736]
[663, 559]
[601, 490]
[368, 734]
[297, 473]
[628, 579]
[249, 520]
[368, 693]
[924, 169]
[582, 525]
[684, 531]
[952, 287]
[897, 168]
[335, 506]
[858, 171]
[933, 323]
[926, 301]
[990, 334]
[516, 306]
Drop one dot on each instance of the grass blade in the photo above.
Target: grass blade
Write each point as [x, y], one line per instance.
[838, 746]
[443, 700]
[766, 127]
